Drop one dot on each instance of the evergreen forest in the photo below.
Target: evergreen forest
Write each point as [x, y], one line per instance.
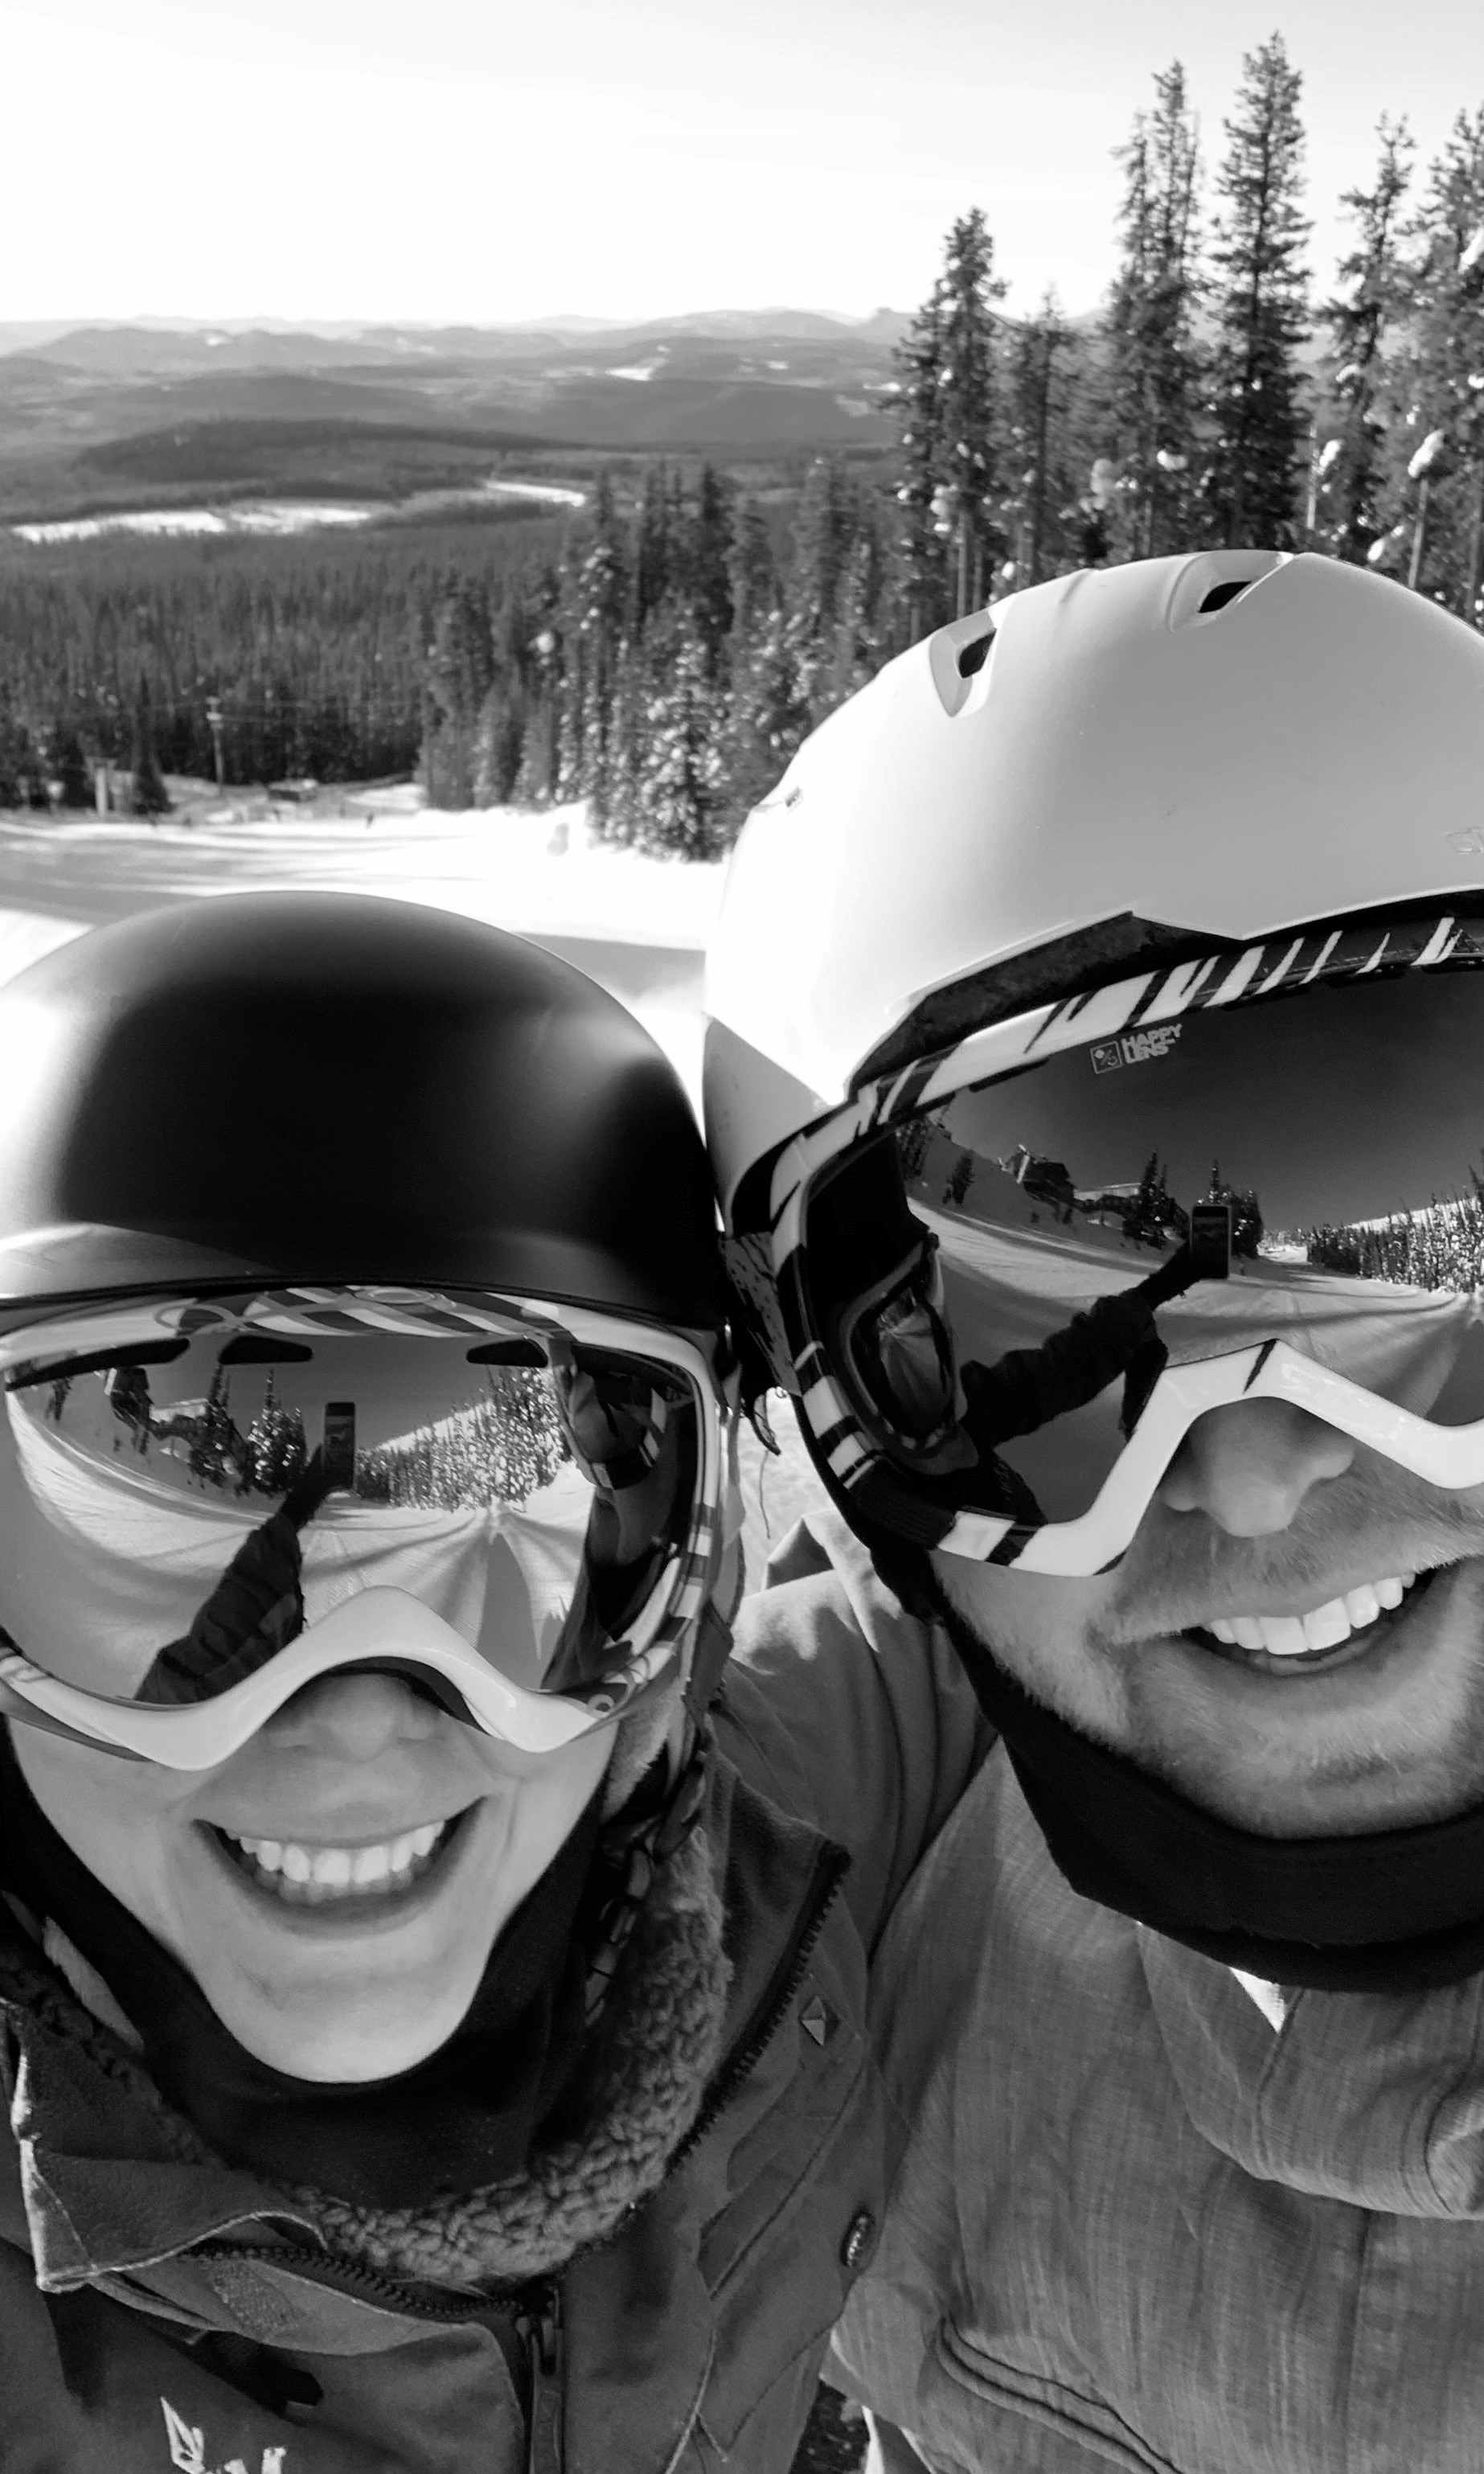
[662, 653]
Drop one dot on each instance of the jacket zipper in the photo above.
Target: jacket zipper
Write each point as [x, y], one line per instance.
[541, 2325]
[323, 2269]
[831, 1865]
[545, 2338]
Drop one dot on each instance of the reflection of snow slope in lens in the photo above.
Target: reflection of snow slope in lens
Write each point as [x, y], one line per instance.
[101, 1564]
[502, 1577]
[1011, 1289]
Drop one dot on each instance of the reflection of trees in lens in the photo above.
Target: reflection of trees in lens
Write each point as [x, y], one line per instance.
[912, 1145]
[1440, 1247]
[498, 1449]
[218, 1453]
[1246, 1214]
[57, 1398]
[277, 1448]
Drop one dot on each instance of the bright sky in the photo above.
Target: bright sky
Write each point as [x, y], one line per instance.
[496, 159]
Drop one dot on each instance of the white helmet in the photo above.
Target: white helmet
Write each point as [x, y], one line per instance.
[1227, 742]
[1219, 820]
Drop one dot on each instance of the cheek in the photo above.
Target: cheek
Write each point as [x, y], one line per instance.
[1042, 1633]
[119, 1818]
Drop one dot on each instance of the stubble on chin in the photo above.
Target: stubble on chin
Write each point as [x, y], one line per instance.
[1090, 1650]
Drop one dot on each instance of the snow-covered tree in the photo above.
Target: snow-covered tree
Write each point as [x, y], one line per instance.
[1442, 425]
[681, 788]
[1044, 445]
[709, 579]
[1250, 485]
[949, 438]
[1152, 367]
[277, 1448]
[1349, 471]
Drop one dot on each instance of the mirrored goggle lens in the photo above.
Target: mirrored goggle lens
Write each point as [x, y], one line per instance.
[1000, 1281]
[183, 1487]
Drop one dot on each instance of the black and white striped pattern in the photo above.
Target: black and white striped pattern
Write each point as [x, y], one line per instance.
[1278, 965]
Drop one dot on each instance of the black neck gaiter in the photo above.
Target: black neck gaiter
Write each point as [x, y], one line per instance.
[465, 2116]
[1389, 1911]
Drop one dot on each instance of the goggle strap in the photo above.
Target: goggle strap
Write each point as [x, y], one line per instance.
[708, 1660]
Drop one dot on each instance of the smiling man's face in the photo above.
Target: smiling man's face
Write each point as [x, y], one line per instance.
[336, 1887]
[1264, 1518]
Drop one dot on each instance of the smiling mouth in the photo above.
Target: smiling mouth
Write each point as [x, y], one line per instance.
[1327, 1636]
[302, 1875]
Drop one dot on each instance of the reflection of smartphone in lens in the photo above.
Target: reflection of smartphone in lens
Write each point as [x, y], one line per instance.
[1210, 1240]
[340, 1442]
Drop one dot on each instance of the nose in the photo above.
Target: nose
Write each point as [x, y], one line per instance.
[1248, 1467]
[352, 1715]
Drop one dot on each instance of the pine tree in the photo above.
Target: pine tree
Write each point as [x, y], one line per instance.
[1042, 446]
[1250, 485]
[711, 573]
[149, 796]
[17, 760]
[949, 438]
[654, 556]
[681, 791]
[967, 411]
[600, 598]
[751, 573]
[275, 1445]
[1152, 366]
[1349, 469]
[459, 673]
[767, 723]
[1445, 379]
[919, 360]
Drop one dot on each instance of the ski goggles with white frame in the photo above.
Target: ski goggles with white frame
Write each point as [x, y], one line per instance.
[1004, 1283]
[207, 1502]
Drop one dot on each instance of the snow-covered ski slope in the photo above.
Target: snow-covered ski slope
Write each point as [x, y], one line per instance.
[637, 925]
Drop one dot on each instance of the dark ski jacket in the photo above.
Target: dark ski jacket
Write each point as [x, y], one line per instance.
[159, 2315]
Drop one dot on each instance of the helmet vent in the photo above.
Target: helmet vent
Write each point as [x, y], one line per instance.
[973, 657]
[1220, 594]
[957, 656]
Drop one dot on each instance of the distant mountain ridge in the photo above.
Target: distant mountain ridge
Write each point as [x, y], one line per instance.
[121, 408]
[129, 345]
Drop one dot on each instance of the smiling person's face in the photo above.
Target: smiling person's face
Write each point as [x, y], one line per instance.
[419, 1837]
[1265, 1514]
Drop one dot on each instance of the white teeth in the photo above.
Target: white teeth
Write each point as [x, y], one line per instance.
[1282, 1634]
[313, 1874]
[1325, 1627]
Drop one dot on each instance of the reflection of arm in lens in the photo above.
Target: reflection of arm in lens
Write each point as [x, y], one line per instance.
[255, 1609]
[1027, 1388]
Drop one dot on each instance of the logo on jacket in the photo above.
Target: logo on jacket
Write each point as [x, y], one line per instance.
[1135, 1047]
[188, 2449]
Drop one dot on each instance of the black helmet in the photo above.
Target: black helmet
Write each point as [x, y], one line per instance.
[327, 1223]
[339, 1088]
